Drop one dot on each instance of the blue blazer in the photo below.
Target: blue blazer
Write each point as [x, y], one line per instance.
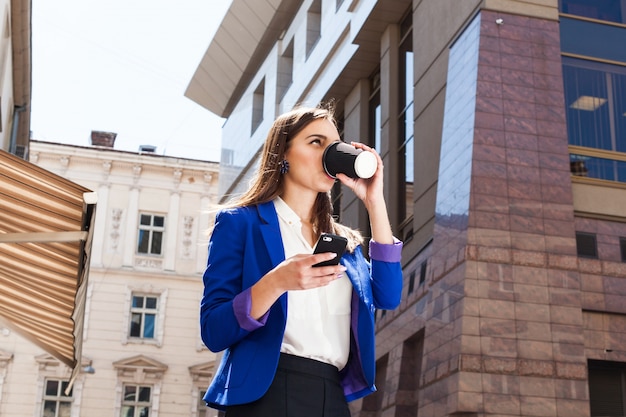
[246, 244]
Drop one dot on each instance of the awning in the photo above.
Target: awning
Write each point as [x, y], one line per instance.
[46, 228]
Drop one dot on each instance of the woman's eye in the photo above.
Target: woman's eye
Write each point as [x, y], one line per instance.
[316, 141]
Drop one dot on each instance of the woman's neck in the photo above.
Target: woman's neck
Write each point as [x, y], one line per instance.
[302, 205]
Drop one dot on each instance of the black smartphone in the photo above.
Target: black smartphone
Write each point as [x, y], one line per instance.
[330, 243]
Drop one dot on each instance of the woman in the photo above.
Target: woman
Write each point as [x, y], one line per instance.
[296, 338]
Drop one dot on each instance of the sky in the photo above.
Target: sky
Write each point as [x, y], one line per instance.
[123, 66]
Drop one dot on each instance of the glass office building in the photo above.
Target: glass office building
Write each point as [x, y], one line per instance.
[502, 125]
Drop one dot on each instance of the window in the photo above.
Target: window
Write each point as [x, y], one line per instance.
[336, 192]
[622, 248]
[55, 402]
[609, 10]
[258, 101]
[595, 94]
[586, 245]
[423, 269]
[410, 373]
[202, 409]
[201, 375]
[422, 277]
[143, 312]
[373, 403]
[607, 388]
[285, 71]
[139, 386]
[595, 99]
[150, 240]
[412, 282]
[375, 115]
[405, 119]
[313, 26]
[136, 401]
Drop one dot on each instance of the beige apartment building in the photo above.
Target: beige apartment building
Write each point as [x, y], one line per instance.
[141, 348]
[502, 126]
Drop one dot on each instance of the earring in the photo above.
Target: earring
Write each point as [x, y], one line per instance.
[284, 166]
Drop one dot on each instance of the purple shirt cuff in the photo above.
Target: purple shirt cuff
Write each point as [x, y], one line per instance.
[242, 303]
[386, 252]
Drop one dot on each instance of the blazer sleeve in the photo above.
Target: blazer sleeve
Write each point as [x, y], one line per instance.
[386, 274]
[225, 305]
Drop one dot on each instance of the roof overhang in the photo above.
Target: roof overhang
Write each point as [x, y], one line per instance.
[46, 229]
[247, 33]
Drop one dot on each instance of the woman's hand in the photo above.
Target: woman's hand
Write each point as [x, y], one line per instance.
[295, 273]
[298, 272]
[370, 190]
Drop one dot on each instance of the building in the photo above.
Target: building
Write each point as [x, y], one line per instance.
[142, 353]
[15, 76]
[45, 220]
[502, 126]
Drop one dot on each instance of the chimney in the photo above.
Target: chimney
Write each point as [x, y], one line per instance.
[104, 139]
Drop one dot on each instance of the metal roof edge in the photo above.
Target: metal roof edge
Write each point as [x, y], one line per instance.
[231, 84]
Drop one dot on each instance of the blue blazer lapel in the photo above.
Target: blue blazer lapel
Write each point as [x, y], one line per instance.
[270, 230]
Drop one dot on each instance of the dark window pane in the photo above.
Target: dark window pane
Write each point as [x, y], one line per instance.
[622, 248]
[143, 241]
[408, 83]
[144, 412]
[49, 408]
[606, 388]
[423, 270]
[64, 385]
[201, 404]
[65, 409]
[602, 168]
[137, 302]
[408, 172]
[145, 220]
[151, 302]
[157, 237]
[135, 325]
[128, 411]
[130, 392]
[52, 388]
[618, 81]
[598, 40]
[405, 120]
[144, 394]
[378, 127]
[148, 331]
[159, 221]
[586, 245]
[587, 109]
[609, 10]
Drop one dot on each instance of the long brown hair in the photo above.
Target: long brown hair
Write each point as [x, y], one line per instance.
[268, 182]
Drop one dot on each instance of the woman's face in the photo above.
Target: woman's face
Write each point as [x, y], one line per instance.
[305, 157]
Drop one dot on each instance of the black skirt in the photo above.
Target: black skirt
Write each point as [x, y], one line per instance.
[302, 387]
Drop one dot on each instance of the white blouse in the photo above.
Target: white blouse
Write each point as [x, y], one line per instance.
[318, 319]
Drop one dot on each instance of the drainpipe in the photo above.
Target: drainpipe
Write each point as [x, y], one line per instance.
[16, 121]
